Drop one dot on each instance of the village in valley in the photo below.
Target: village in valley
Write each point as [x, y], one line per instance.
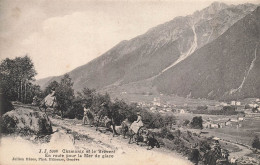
[246, 109]
[214, 113]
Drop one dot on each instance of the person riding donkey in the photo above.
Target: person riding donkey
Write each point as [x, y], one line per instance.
[49, 100]
[134, 129]
[137, 124]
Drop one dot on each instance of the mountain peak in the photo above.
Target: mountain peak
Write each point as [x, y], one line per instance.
[210, 11]
[215, 7]
[218, 5]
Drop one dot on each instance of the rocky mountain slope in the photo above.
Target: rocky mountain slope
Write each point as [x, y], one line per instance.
[225, 68]
[158, 52]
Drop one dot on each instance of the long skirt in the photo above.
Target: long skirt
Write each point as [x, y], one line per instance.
[135, 126]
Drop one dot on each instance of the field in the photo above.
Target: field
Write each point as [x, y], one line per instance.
[244, 134]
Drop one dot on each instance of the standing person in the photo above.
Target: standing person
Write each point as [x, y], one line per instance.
[87, 118]
[195, 154]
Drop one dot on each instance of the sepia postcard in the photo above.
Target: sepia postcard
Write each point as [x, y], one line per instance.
[135, 82]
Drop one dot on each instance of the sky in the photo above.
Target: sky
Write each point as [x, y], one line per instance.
[61, 35]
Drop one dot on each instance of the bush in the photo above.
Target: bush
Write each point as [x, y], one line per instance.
[203, 107]
[166, 133]
[163, 132]
[186, 122]
[169, 120]
[247, 106]
[227, 111]
[255, 110]
[256, 142]
[74, 112]
[5, 105]
[153, 120]
[196, 122]
[229, 108]
[204, 146]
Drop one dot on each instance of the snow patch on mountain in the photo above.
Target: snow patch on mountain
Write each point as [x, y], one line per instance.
[190, 51]
[245, 77]
[183, 56]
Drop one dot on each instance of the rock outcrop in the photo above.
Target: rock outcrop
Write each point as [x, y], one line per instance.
[25, 121]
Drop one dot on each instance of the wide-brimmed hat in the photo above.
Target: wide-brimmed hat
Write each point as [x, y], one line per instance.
[138, 113]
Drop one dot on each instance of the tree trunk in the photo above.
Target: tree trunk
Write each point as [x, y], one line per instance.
[21, 92]
[18, 96]
[25, 99]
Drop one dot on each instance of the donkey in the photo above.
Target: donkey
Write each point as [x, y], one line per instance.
[106, 112]
[125, 125]
[143, 135]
